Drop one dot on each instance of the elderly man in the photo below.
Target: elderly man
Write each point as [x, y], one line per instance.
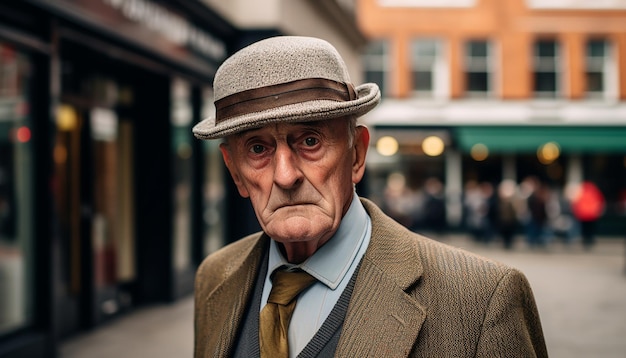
[330, 274]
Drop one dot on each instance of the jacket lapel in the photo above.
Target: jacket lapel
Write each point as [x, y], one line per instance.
[383, 319]
[228, 302]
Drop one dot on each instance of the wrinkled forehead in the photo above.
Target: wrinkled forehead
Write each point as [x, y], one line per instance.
[333, 125]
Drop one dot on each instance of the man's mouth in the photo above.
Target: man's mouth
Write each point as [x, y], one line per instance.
[291, 205]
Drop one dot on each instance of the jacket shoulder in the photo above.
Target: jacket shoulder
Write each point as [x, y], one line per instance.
[401, 252]
[216, 267]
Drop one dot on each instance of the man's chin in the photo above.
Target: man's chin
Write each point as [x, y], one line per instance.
[297, 228]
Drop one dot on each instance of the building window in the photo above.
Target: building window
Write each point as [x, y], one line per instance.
[376, 64]
[598, 69]
[478, 72]
[428, 70]
[546, 68]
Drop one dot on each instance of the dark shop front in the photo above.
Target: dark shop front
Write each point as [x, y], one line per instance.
[107, 202]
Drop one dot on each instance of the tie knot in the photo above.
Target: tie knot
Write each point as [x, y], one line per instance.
[286, 285]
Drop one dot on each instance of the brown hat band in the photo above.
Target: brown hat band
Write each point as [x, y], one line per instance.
[259, 99]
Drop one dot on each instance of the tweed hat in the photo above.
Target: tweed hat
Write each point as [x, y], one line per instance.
[283, 79]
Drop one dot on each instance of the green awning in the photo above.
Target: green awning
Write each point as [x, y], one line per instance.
[527, 139]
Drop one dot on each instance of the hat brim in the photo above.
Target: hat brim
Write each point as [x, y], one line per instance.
[368, 96]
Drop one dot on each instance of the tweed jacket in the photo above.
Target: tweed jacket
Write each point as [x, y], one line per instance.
[413, 297]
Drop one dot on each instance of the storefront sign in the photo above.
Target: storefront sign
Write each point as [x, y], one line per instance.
[159, 27]
[175, 28]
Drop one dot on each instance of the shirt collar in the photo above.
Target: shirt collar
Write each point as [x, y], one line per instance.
[330, 263]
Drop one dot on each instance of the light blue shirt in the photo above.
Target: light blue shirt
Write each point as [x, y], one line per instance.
[332, 265]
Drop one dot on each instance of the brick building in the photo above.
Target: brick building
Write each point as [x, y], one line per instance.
[505, 90]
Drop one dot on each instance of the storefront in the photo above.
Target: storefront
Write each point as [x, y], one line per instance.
[471, 143]
[557, 155]
[107, 202]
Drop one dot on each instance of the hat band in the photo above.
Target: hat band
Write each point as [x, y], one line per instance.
[268, 97]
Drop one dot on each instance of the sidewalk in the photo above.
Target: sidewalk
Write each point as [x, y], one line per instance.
[163, 331]
[581, 298]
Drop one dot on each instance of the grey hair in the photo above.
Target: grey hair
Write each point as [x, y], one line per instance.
[351, 130]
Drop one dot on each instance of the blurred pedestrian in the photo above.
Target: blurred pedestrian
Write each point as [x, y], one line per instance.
[506, 212]
[490, 198]
[434, 206]
[403, 203]
[536, 202]
[564, 223]
[588, 206]
[476, 210]
[330, 274]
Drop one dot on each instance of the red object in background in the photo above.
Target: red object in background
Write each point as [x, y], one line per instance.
[589, 203]
[22, 134]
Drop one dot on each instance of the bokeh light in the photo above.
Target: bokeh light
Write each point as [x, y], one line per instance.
[433, 146]
[479, 152]
[387, 146]
[548, 152]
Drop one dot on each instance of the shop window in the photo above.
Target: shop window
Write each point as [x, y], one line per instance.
[213, 187]
[182, 165]
[546, 68]
[478, 69]
[16, 192]
[113, 215]
[376, 64]
[428, 68]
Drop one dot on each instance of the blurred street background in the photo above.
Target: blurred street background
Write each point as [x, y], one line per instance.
[501, 127]
[580, 295]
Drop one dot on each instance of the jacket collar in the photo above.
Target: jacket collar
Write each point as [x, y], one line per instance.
[383, 319]
[228, 301]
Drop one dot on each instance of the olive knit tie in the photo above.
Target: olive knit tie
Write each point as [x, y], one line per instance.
[275, 316]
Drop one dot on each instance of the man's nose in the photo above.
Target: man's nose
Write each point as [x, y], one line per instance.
[286, 172]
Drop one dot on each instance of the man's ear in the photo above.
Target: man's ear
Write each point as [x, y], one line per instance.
[234, 173]
[361, 144]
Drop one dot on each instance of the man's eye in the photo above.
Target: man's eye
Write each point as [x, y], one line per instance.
[311, 141]
[257, 149]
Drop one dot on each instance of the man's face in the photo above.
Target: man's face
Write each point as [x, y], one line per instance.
[299, 177]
